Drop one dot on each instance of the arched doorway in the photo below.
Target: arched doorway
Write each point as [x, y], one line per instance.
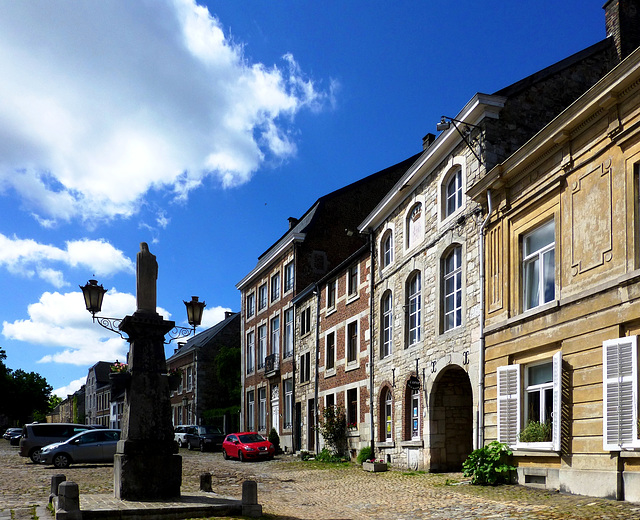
[451, 420]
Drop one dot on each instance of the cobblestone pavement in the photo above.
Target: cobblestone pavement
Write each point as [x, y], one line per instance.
[290, 489]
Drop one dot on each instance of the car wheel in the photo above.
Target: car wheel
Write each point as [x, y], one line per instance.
[202, 446]
[61, 460]
[241, 456]
[225, 456]
[35, 455]
[189, 447]
[179, 443]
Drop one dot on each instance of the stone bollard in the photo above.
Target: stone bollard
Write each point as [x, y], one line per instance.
[250, 506]
[205, 482]
[68, 502]
[56, 480]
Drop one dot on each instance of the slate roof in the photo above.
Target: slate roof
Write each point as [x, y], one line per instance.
[203, 338]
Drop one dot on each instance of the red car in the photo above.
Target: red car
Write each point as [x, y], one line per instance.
[247, 445]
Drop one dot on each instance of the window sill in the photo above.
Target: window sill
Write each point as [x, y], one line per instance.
[352, 298]
[535, 310]
[329, 373]
[630, 453]
[541, 449]
[352, 365]
[415, 443]
[386, 444]
[353, 433]
[330, 311]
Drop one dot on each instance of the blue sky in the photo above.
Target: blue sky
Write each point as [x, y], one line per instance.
[199, 128]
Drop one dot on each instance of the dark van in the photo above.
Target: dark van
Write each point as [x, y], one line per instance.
[36, 436]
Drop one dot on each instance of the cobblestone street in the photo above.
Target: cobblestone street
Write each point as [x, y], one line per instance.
[290, 489]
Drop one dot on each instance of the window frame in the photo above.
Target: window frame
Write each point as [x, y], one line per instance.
[353, 282]
[274, 329]
[414, 414]
[275, 287]
[261, 347]
[353, 418]
[262, 409]
[251, 401]
[305, 321]
[414, 225]
[250, 303]
[262, 297]
[332, 290]
[250, 354]
[386, 325]
[414, 309]
[510, 395]
[386, 249]
[352, 342]
[289, 317]
[454, 178]
[305, 368]
[456, 296]
[288, 403]
[289, 277]
[330, 352]
[528, 259]
[388, 416]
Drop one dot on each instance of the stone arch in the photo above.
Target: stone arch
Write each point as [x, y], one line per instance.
[450, 419]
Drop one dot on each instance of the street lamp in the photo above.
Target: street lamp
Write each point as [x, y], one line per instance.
[446, 122]
[94, 294]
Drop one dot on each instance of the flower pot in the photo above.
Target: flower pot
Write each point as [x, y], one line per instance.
[375, 467]
[119, 381]
[174, 381]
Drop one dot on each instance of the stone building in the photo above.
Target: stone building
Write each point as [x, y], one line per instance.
[563, 295]
[198, 391]
[427, 233]
[332, 349]
[98, 394]
[271, 323]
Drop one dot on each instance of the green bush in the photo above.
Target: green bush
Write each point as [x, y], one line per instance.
[333, 428]
[304, 455]
[488, 466]
[536, 432]
[365, 454]
[274, 439]
[326, 456]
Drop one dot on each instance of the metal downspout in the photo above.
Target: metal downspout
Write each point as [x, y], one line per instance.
[317, 378]
[371, 336]
[480, 412]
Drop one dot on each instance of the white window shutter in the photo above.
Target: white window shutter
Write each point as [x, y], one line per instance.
[508, 404]
[557, 401]
[620, 393]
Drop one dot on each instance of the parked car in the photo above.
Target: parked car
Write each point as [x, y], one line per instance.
[35, 436]
[180, 433]
[247, 445]
[14, 440]
[204, 438]
[11, 432]
[88, 446]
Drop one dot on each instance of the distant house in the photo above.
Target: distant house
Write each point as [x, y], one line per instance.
[98, 394]
[206, 370]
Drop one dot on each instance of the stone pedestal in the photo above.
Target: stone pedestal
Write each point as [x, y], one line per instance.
[146, 464]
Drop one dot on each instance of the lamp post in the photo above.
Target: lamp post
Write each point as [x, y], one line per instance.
[446, 122]
[146, 464]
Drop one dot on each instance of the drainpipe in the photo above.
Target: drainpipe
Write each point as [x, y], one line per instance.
[480, 419]
[371, 336]
[317, 361]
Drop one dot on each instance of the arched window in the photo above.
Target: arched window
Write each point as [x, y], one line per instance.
[386, 325]
[412, 413]
[415, 227]
[453, 195]
[413, 309]
[386, 249]
[452, 283]
[386, 419]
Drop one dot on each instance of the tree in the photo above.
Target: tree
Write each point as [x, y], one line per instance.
[333, 427]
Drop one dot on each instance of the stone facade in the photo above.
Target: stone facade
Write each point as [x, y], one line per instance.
[560, 347]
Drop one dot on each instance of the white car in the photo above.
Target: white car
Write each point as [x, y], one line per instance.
[179, 434]
[88, 446]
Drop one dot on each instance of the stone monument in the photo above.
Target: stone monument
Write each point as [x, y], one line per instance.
[146, 464]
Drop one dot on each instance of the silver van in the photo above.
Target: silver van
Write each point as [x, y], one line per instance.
[37, 435]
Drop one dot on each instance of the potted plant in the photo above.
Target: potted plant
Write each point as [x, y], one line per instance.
[119, 377]
[175, 378]
[375, 466]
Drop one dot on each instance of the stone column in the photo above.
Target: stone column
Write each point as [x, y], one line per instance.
[146, 464]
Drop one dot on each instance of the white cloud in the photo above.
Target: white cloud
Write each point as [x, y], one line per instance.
[61, 322]
[211, 316]
[149, 94]
[30, 258]
[71, 388]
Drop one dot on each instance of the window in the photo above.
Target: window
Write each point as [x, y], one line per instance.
[288, 403]
[415, 413]
[275, 335]
[288, 277]
[388, 408]
[386, 250]
[181, 385]
[305, 367]
[352, 342]
[413, 309]
[262, 297]
[189, 379]
[288, 333]
[262, 345]
[331, 294]
[538, 266]
[387, 325]
[262, 409]
[251, 351]
[415, 230]
[275, 287]
[453, 289]
[305, 321]
[454, 193]
[330, 352]
[352, 408]
[250, 410]
[329, 400]
[352, 281]
[620, 393]
[542, 393]
[251, 304]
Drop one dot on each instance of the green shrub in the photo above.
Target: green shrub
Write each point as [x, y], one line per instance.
[326, 456]
[333, 428]
[274, 439]
[365, 454]
[536, 432]
[304, 455]
[489, 465]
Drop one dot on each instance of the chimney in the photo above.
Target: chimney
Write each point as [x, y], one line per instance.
[228, 314]
[292, 222]
[622, 19]
[427, 140]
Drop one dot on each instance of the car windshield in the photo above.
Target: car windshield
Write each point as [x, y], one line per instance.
[209, 429]
[251, 437]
